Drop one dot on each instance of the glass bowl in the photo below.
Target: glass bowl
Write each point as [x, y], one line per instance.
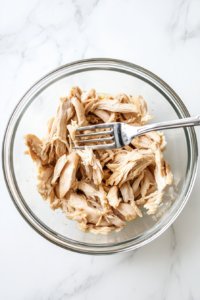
[39, 104]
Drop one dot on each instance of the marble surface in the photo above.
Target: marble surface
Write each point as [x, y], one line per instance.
[37, 36]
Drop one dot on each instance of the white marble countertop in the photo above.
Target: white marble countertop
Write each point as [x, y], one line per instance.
[37, 36]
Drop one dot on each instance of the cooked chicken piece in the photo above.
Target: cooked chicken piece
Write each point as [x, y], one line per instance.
[131, 121]
[50, 124]
[111, 155]
[122, 98]
[104, 200]
[57, 134]
[91, 163]
[80, 111]
[113, 117]
[159, 172]
[141, 202]
[90, 191]
[66, 206]
[92, 119]
[106, 188]
[119, 156]
[160, 175]
[137, 193]
[120, 173]
[128, 148]
[54, 201]
[153, 201]
[140, 105]
[68, 174]
[106, 174]
[145, 184]
[75, 92]
[114, 220]
[72, 129]
[149, 175]
[33, 155]
[141, 108]
[96, 205]
[163, 141]
[113, 197]
[146, 118]
[89, 104]
[142, 142]
[103, 222]
[45, 174]
[169, 175]
[80, 203]
[125, 99]
[58, 168]
[137, 210]
[74, 119]
[45, 189]
[75, 97]
[91, 94]
[35, 148]
[55, 204]
[57, 191]
[96, 229]
[127, 192]
[157, 196]
[44, 186]
[126, 156]
[127, 211]
[104, 115]
[105, 157]
[163, 175]
[139, 167]
[146, 152]
[151, 189]
[87, 173]
[152, 168]
[153, 135]
[127, 171]
[113, 167]
[113, 106]
[48, 144]
[101, 155]
[72, 214]
[65, 114]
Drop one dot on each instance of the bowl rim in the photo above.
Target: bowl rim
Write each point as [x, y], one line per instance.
[97, 249]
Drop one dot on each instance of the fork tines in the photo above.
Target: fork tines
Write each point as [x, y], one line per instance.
[94, 127]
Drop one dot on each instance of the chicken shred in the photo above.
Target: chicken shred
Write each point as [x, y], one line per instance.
[100, 189]
[113, 197]
[68, 174]
[58, 168]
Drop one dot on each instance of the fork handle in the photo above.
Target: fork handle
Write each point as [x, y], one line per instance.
[187, 122]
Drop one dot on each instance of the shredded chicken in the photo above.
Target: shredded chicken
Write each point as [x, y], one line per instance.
[58, 168]
[68, 174]
[92, 165]
[113, 197]
[100, 189]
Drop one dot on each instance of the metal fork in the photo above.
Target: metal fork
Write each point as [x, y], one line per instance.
[122, 134]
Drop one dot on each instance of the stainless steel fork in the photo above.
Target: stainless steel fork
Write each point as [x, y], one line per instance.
[122, 134]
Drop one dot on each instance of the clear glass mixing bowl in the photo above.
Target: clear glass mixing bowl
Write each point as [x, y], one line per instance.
[40, 103]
